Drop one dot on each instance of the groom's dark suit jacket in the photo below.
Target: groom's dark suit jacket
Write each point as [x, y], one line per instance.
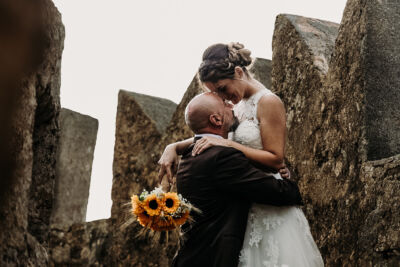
[222, 183]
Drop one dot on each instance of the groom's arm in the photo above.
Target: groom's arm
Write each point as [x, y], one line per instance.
[236, 175]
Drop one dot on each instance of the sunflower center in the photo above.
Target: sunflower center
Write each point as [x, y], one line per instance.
[169, 203]
[153, 204]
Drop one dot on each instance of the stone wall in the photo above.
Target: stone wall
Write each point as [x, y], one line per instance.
[332, 111]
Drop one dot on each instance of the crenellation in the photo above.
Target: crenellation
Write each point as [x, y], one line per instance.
[78, 134]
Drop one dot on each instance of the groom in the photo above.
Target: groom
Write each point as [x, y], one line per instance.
[222, 183]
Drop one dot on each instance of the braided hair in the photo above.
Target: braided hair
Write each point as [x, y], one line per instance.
[220, 60]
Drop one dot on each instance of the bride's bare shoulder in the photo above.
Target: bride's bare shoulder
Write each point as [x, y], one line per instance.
[270, 105]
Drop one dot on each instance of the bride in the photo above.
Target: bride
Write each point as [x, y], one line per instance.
[275, 236]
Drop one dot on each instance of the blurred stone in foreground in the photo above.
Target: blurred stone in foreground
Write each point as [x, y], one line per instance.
[32, 37]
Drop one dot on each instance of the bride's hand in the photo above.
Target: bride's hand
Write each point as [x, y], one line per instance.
[168, 164]
[207, 142]
[284, 172]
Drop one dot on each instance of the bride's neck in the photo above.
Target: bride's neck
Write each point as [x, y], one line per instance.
[253, 87]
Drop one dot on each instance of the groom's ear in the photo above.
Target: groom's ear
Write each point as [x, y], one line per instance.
[216, 120]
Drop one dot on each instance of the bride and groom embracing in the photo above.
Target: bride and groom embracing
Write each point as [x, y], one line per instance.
[239, 182]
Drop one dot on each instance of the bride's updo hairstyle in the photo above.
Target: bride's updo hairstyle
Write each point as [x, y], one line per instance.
[220, 60]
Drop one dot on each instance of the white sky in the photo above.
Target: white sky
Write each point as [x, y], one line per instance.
[154, 47]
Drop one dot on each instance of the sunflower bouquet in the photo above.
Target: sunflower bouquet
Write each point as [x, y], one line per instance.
[161, 211]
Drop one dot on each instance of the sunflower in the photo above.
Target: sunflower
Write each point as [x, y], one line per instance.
[137, 206]
[152, 205]
[163, 224]
[171, 202]
[144, 219]
[182, 219]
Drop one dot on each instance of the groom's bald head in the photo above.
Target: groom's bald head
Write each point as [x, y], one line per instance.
[199, 110]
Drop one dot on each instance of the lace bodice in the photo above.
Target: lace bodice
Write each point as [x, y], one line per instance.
[248, 131]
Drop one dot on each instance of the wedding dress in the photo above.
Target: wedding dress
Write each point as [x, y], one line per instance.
[275, 236]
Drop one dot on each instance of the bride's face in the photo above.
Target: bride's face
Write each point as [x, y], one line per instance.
[228, 89]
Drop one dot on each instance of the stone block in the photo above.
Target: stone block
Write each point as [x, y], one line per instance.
[80, 244]
[159, 110]
[379, 201]
[302, 48]
[136, 135]
[78, 135]
[46, 128]
[381, 55]
[141, 121]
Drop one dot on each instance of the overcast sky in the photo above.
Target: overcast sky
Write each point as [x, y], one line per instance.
[154, 47]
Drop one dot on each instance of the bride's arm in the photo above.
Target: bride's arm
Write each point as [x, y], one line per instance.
[180, 146]
[272, 118]
[169, 159]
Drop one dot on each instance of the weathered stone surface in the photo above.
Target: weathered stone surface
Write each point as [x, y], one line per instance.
[298, 79]
[299, 82]
[26, 201]
[74, 167]
[82, 244]
[318, 35]
[135, 137]
[261, 70]
[46, 128]
[379, 234]
[14, 209]
[381, 53]
[329, 120]
[159, 110]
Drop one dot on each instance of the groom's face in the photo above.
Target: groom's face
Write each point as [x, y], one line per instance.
[230, 121]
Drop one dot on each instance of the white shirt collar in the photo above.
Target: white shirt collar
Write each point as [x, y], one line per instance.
[208, 134]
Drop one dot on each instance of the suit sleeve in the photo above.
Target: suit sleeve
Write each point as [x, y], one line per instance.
[236, 175]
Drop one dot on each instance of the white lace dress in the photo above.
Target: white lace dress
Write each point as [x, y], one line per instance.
[275, 236]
